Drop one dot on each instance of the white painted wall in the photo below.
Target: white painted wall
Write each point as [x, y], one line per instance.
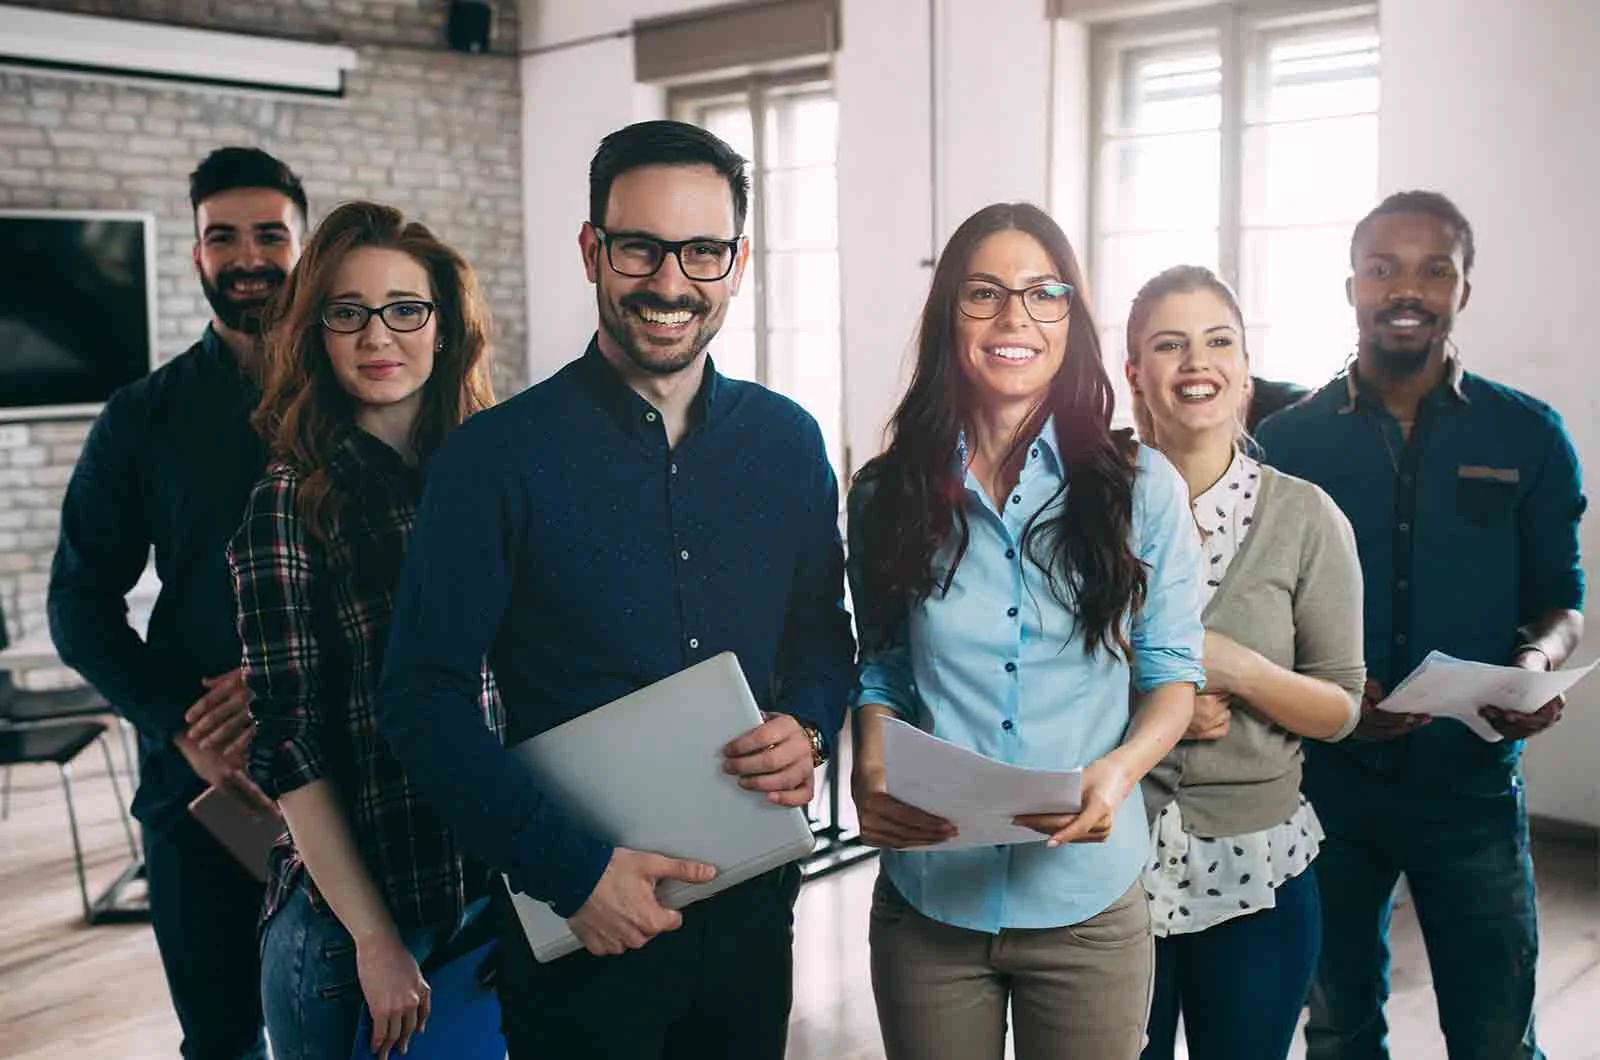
[993, 92]
[1498, 110]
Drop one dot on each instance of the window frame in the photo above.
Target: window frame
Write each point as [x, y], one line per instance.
[1242, 32]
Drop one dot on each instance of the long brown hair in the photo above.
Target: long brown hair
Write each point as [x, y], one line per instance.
[914, 506]
[304, 413]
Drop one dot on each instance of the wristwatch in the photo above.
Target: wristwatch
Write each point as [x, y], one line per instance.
[819, 750]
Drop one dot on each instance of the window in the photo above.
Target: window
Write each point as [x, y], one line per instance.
[783, 329]
[1247, 142]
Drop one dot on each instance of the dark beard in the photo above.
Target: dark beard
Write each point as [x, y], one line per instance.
[1400, 364]
[246, 317]
[613, 321]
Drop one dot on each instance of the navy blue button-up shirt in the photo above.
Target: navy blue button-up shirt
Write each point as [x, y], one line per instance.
[169, 464]
[562, 534]
[1466, 532]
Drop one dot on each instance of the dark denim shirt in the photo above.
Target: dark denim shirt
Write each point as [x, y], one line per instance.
[169, 464]
[1466, 532]
[560, 532]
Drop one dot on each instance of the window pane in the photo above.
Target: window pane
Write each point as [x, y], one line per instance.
[1311, 172]
[1125, 262]
[1160, 182]
[734, 350]
[803, 289]
[801, 130]
[802, 208]
[731, 122]
[805, 365]
[1167, 88]
[1315, 72]
[1301, 328]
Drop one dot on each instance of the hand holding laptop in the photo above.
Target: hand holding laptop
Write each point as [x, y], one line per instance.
[623, 912]
[774, 757]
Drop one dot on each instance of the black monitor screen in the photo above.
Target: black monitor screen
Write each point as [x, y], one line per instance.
[75, 308]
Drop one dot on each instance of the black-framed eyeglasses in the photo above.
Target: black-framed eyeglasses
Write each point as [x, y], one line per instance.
[1046, 303]
[349, 317]
[636, 256]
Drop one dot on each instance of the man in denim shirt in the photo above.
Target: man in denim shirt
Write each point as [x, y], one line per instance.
[1465, 497]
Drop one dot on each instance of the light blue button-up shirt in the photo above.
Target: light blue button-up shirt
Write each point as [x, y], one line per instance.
[994, 665]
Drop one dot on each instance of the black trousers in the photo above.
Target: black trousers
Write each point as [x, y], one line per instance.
[719, 986]
[205, 908]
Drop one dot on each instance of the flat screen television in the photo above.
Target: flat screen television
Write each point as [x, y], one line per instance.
[77, 309]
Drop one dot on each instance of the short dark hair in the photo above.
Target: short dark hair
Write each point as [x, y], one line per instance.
[227, 168]
[1429, 203]
[665, 143]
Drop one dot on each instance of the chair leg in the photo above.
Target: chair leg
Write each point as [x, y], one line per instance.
[5, 799]
[77, 846]
[116, 789]
[125, 737]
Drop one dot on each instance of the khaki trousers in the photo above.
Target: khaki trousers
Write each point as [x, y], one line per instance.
[1081, 991]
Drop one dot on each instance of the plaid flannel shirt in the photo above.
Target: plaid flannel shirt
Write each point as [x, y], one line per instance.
[314, 620]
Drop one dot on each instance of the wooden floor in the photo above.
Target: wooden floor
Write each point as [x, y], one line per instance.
[68, 991]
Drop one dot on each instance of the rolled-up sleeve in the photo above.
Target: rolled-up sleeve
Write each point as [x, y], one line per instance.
[274, 566]
[883, 674]
[1168, 639]
[1552, 565]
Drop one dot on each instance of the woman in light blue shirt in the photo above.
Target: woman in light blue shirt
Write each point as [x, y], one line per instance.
[1005, 613]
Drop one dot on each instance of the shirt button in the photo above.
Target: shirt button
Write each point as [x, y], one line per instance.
[694, 642]
[649, 417]
[674, 469]
[1011, 553]
[1011, 667]
[1405, 480]
[1399, 638]
[1016, 498]
[1006, 725]
[1405, 528]
[684, 554]
[1034, 454]
[1403, 584]
[1011, 612]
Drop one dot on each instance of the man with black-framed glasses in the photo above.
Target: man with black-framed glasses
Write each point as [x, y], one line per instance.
[631, 516]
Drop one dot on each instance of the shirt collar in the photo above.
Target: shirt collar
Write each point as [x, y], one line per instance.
[358, 456]
[1046, 446]
[634, 413]
[1215, 507]
[1355, 388]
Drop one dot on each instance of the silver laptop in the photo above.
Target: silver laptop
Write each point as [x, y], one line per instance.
[645, 772]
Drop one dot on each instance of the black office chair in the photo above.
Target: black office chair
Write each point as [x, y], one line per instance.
[52, 727]
[59, 743]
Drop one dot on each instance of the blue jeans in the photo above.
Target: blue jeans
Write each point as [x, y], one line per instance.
[310, 992]
[1240, 984]
[1467, 862]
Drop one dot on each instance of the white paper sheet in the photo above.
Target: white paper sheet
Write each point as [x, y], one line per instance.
[1447, 687]
[978, 795]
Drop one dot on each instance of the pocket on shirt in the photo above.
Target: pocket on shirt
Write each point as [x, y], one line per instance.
[1484, 501]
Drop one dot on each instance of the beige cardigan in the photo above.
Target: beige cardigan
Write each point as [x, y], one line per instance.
[1293, 594]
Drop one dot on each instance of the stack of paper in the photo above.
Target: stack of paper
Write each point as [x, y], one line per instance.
[978, 795]
[1447, 687]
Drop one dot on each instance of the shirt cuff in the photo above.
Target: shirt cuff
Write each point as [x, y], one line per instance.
[1166, 666]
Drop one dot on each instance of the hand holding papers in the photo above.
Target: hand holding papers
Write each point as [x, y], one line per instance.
[976, 794]
[1447, 687]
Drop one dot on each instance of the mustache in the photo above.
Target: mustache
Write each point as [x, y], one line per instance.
[271, 273]
[646, 300]
[1406, 309]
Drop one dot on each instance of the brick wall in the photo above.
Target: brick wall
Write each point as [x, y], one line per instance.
[434, 132]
